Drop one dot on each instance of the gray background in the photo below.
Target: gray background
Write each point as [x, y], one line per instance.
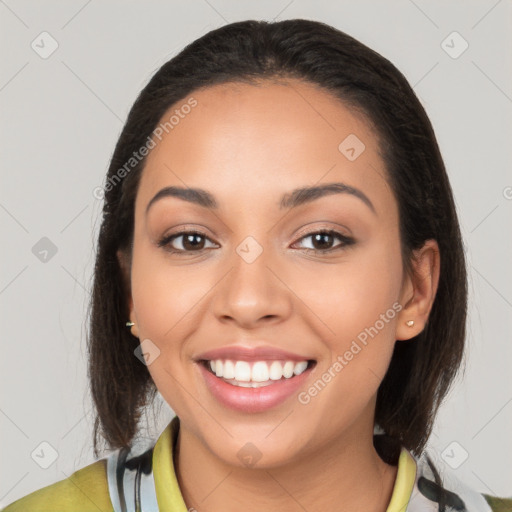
[60, 119]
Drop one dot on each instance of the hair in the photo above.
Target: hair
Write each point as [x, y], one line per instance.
[422, 369]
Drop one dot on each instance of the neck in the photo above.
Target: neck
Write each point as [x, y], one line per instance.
[346, 473]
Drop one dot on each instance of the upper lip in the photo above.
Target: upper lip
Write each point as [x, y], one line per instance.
[244, 353]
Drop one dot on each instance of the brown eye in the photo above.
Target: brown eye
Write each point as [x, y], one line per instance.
[194, 241]
[191, 241]
[322, 241]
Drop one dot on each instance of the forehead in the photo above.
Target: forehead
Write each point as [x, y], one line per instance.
[249, 142]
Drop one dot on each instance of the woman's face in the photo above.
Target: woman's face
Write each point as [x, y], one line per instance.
[254, 292]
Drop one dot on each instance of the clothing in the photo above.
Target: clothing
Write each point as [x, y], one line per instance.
[145, 475]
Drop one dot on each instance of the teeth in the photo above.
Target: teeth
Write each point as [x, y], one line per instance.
[276, 370]
[288, 369]
[245, 375]
[219, 368]
[229, 370]
[250, 384]
[242, 371]
[259, 372]
[300, 367]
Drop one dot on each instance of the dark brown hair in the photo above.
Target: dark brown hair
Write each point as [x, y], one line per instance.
[422, 369]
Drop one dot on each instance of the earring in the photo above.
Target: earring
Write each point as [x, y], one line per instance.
[409, 323]
[129, 324]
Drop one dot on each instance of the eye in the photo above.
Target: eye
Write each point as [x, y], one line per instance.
[322, 240]
[190, 242]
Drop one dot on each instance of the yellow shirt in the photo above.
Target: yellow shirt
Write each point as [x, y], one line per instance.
[86, 490]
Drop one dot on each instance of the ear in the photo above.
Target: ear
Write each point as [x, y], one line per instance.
[419, 290]
[126, 273]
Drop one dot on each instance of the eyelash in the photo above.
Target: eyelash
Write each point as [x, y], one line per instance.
[346, 241]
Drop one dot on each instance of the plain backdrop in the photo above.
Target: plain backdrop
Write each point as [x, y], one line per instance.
[61, 115]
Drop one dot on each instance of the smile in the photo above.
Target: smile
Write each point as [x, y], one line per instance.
[254, 386]
[255, 373]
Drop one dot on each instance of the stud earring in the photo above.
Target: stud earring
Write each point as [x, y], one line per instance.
[129, 324]
[409, 323]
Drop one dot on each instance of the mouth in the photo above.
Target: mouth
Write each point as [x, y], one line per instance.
[255, 374]
[254, 386]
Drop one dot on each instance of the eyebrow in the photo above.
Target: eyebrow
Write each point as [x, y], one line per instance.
[289, 200]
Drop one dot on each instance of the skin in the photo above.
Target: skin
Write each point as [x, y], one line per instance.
[248, 145]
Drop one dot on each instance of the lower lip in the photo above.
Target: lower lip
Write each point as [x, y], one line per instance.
[252, 400]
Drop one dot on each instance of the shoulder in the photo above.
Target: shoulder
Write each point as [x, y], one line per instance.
[498, 504]
[438, 488]
[85, 490]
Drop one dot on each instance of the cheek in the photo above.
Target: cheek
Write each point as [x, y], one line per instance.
[352, 293]
[163, 293]
[367, 323]
[374, 282]
[358, 301]
[164, 297]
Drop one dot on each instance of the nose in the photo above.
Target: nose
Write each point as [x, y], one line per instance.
[254, 289]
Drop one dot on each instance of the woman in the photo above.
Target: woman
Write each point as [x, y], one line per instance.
[280, 258]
